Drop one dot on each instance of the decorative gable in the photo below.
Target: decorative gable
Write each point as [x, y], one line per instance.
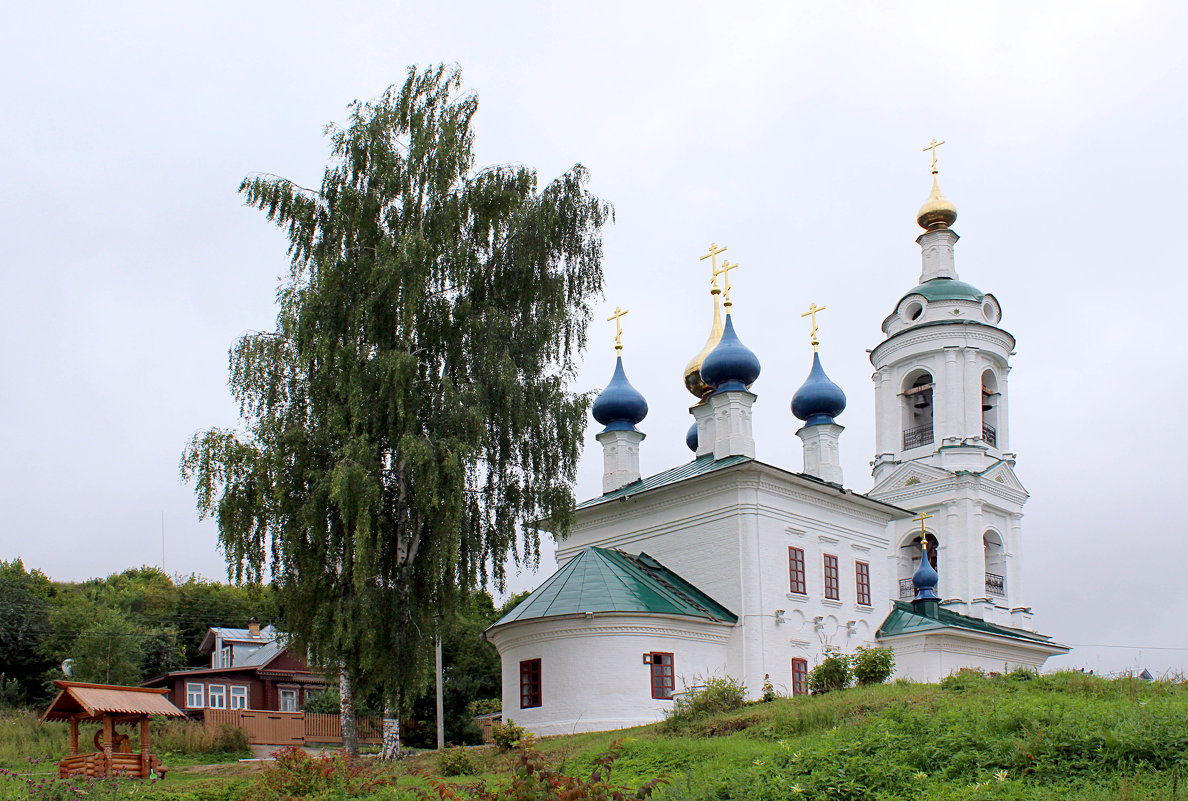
[909, 474]
[1003, 473]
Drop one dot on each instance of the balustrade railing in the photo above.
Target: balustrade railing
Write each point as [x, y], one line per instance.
[907, 590]
[915, 437]
[995, 585]
[989, 435]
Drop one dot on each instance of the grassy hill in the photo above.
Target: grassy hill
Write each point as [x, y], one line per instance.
[1063, 736]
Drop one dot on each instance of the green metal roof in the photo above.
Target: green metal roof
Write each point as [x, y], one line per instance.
[948, 289]
[698, 467]
[604, 580]
[904, 620]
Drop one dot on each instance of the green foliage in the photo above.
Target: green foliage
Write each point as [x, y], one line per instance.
[508, 735]
[108, 649]
[718, 694]
[293, 775]
[769, 693]
[455, 762]
[833, 673]
[535, 779]
[24, 623]
[187, 737]
[484, 706]
[872, 665]
[408, 422]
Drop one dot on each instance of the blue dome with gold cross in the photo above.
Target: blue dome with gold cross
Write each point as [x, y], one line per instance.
[620, 406]
[818, 400]
[731, 366]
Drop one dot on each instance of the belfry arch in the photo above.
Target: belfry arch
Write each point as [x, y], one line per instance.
[908, 559]
[917, 409]
[994, 557]
[990, 398]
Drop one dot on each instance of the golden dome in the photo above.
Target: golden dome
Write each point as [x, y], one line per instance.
[693, 381]
[938, 211]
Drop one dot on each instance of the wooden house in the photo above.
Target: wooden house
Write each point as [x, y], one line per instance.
[250, 668]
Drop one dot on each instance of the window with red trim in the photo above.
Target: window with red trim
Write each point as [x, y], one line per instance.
[529, 683]
[796, 582]
[799, 676]
[862, 577]
[663, 677]
[832, 587]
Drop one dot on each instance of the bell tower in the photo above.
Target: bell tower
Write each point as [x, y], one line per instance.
[942, 432]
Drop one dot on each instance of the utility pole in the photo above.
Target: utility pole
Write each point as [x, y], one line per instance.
[440, 703]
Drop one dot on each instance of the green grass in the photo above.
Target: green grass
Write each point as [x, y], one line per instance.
[1064, 736]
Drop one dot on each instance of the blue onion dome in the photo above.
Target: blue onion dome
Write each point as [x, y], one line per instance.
[620, 406]
[925, 578]
[818, 400]
[691, 437]
[730, 365]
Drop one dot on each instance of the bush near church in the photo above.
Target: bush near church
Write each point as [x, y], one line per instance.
[872, 665]
[832, 674]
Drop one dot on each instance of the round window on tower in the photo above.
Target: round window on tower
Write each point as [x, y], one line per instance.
[990, 310]
[913, 311]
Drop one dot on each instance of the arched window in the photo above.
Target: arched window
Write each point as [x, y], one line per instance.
[990, 408]
[917, 409]
[995, 557]
[909, 560]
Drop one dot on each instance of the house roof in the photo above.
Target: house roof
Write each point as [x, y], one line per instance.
[698, 467]
[604, 580]
[95, 700]
[904, 620]
[267, 633]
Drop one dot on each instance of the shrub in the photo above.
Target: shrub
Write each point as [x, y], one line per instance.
[484, 706]
[295, 776]
[536, 780]
[769, 693]
[717, 695]
[832, 674]
[508, 735]
[455, 762]
[872, 665]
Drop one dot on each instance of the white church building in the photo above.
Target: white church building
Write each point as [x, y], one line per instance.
[729, 566]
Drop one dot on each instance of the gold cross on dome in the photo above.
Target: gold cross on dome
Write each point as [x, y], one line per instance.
[617, 317]
[724, 271]
[933, 145]
[812, 312]
[714, 250]
[923, 534]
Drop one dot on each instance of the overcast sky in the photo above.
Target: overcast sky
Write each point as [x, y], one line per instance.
[789, 131]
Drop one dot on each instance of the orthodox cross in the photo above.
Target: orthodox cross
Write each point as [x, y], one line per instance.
[725, 273]
[813, 309]
[714, 250]
[617, 317]
[923, 534]
[933, 145]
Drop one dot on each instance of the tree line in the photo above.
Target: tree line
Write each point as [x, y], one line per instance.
[132, 626]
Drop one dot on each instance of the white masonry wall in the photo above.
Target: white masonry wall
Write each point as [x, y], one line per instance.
[593, 677]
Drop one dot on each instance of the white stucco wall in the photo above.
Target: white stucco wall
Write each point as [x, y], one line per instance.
[593, 677]
[930, 657]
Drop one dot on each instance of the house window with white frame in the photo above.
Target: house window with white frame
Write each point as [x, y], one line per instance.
[239, 695]
[195, 695]
[225, 656]
[216, 696]
[288, 700]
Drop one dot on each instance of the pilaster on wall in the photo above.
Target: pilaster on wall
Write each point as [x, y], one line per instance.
[620, 457]
[731, 424]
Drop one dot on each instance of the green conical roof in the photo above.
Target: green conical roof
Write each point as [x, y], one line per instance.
[603, 580]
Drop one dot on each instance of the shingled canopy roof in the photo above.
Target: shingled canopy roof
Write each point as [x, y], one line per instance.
[82, 701]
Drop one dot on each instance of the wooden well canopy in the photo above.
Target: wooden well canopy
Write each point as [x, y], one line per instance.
[109, 705]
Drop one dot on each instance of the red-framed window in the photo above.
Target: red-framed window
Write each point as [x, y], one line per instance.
[799, 676]
[832, 587]
[663, 677]
[796, 582]
[529, 683]
[862, 577]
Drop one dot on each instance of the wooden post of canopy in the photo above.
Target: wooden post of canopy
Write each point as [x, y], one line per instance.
[74, 736]
[108, 731]
[144, 747]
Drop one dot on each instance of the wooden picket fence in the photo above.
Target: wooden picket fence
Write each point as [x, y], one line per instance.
[292, 728]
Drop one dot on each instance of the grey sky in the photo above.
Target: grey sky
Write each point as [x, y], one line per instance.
[790, 132]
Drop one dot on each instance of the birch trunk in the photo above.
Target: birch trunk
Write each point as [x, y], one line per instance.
[346, 708]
